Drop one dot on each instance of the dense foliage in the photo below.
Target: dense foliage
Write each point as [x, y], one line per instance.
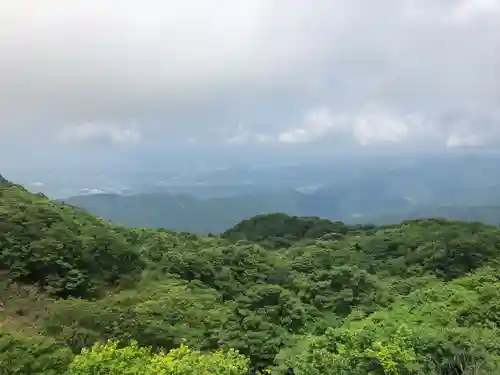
[274, 293]
[280, 230]
[32, 355]
[108, 358]
[65, 251]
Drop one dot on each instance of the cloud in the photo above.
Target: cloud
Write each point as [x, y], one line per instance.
[98, 132]
[147, 60]
[241, 136]
[180, 70]
[316, 123]
[367, 126]
[467, 11]
[377, 125]
[471, 140]
[244, 136]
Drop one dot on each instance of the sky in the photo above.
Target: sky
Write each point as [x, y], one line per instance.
[96, 82]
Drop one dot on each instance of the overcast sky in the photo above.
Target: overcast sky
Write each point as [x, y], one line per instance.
[82, 78]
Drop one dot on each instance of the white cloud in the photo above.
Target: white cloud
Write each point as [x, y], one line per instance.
[98, 132]
[368, 126]
[315, 124]
[298, 135]
[469, 140]
[379, 127]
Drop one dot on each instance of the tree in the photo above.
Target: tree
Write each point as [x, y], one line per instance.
[108, 358]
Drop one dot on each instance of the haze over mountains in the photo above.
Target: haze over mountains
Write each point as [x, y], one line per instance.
[464, 186]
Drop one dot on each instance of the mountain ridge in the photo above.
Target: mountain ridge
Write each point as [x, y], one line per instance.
[214, 215]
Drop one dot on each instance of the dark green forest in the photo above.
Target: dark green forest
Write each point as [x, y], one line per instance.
[275, 294]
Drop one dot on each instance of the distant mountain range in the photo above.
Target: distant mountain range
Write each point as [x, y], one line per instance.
[379, 191]
[185, 212]
[188, 213]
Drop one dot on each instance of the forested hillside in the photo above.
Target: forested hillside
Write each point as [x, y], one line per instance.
[278, 294]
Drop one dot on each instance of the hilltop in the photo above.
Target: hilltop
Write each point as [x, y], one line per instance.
[306, 293]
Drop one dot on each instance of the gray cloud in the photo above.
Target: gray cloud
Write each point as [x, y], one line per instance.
[188, 68]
